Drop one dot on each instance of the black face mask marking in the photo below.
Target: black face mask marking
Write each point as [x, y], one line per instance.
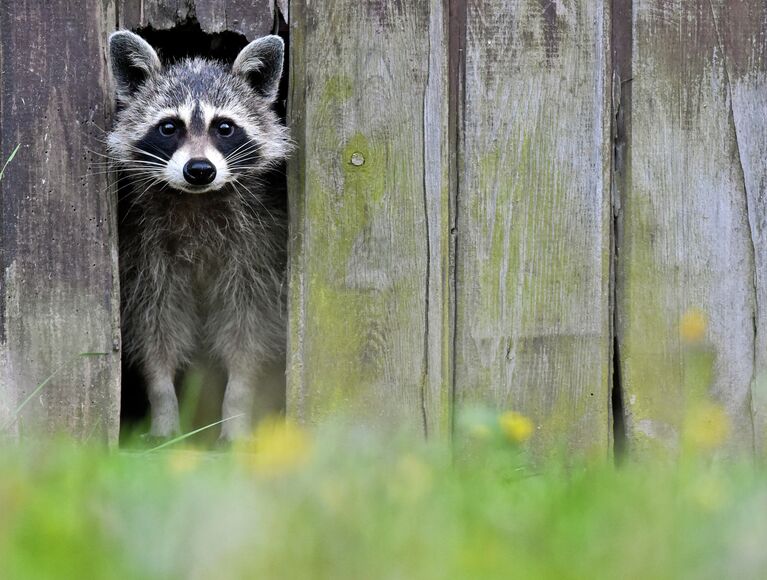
[158, 143]
[233, 143]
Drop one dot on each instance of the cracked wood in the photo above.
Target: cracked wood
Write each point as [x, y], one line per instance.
[252, 18]
[691, 219]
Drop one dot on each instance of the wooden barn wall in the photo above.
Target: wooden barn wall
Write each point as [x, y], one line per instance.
[58, 289]
[503, 275]
[605, 193]
[513, 203]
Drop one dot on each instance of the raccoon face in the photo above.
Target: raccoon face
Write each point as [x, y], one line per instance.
[195, 126]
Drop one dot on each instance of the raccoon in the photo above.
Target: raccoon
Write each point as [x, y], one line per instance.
[203, 228]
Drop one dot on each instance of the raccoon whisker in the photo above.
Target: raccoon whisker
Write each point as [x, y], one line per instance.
[247, 143]
[128, 168]
[119, 179]
[255, 197]
[139, 182]
[236, 154]
[106, 155]
[145, 152]
[124, 175]
[243, 154]
[152, 183]
[141, 151]
[100, 154]
[235, 185]
[118, 191]
[120, 161]
[96, 126]
[244, 162]
[111, 168]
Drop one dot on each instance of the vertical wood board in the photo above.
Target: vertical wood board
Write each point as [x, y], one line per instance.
[369, 210]
[533, 218]
[742, 36]
[59, 294]
[686, 247]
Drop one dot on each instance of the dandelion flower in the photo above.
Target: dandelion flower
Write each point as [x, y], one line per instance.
[277, 447]
[515, 426]
[692, 326]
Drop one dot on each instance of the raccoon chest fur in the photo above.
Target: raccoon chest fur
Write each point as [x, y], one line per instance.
[204, 275]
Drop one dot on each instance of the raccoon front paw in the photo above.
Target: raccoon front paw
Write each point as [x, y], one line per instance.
[165, 427]
[235, 429]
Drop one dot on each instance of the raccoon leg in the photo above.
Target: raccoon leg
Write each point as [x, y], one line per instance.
[160, 320]
[238, 399]
[162, 400]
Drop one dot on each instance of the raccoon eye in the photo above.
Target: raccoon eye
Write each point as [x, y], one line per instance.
[167, 128]
[225, 128]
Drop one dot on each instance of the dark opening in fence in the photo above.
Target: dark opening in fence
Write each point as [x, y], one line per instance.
[201, 385]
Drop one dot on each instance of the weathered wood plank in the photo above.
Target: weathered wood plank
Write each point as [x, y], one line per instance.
[533, 218]
[58, 293]
[742, 30]
[252, 18]
[686, 241]
[160, 14]
[369, 208]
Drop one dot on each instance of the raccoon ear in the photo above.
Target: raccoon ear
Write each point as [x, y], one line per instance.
[261, 64]
[133, 61]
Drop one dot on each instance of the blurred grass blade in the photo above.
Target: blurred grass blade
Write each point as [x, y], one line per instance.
[13, 154]
[45, 381]
[187, 435]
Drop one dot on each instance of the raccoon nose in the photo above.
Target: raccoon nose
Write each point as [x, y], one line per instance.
[199, 171]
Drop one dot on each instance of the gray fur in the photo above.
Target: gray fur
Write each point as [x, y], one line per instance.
[200, 273]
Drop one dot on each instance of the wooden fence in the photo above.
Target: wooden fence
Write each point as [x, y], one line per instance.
[511, 203]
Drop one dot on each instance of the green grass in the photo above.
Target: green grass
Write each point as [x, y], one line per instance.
[355, 504]
[10, 158]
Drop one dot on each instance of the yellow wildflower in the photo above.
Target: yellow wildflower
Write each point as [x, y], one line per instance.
[707, 426]
[515, 426]
[278, 446]
[692, 326]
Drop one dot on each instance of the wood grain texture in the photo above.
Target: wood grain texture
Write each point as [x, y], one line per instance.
[252, 18]
[533, 218]
[369, 209]
[742, 30]
[58, 293]
[689, 220]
